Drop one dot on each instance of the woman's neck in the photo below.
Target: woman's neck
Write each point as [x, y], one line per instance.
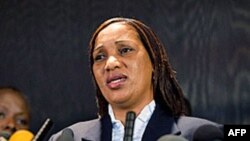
[121, 112]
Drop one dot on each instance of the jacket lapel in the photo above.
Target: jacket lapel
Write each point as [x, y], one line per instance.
[106, 128]
[103, 127]
[161, 123]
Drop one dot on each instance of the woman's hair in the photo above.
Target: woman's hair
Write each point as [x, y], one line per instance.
[167, 92]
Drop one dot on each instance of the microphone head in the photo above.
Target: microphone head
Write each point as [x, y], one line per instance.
[171, 138]
[22, 135]
[208, 133]
[67, 135]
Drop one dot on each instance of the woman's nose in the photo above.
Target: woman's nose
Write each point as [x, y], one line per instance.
[112, 63]
[10, 125]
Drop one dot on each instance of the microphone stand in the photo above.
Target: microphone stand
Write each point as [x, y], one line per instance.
[129, 126]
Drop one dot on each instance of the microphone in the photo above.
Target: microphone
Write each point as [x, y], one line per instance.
[22, 135]
[208, 133]
[129, 126]
[43, 130]
[25, 135]
[67, 135]
[171, 138]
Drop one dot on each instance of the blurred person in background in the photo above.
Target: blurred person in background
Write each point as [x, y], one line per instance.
[14, 111]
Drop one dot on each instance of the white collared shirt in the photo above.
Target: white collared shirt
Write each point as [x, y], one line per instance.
[141, 122]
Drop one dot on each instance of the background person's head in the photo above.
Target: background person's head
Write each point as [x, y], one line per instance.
[14, 110]
[166, 90]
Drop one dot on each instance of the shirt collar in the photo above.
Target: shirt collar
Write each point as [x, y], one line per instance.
[144, 115]
[147, 111]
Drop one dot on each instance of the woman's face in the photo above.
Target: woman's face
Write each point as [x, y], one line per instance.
[13, 112]
[122, 67]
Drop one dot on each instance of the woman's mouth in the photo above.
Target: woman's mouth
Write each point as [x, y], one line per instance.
[116, 81]
[5, 134]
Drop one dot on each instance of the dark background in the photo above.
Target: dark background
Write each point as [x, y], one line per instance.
[43, 51]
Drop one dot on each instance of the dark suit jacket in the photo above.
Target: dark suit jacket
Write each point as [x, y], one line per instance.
[161, 123]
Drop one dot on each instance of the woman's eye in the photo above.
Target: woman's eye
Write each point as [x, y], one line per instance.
[125, 50]
[99, 57]
[2, 115]
[22, 122]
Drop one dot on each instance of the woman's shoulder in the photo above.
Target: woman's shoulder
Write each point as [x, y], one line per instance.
[82, 126]
[195, 121]
[191, 126]
[85, 129]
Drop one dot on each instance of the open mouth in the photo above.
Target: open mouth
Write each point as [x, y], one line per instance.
[116, 81]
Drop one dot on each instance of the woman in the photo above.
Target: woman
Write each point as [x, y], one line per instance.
[132, 73]
[14, 111]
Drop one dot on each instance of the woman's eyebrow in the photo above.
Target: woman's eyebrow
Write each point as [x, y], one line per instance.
[122, 41]
[98, 47]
